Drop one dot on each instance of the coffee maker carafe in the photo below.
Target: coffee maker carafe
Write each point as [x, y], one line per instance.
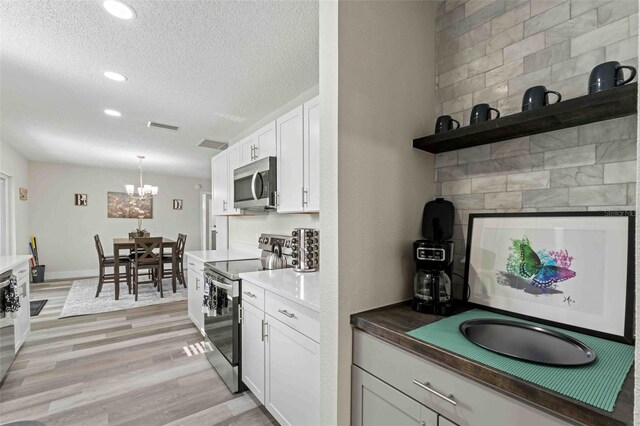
[432, 290]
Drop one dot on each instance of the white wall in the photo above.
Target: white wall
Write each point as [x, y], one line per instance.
[16, 167]
[246, 229]
[65, 231]
[383, 99]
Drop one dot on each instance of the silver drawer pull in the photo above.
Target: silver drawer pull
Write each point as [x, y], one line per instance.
[192, 264]
[286, 314]
[425, 386]
[23, 271]
[248, 293]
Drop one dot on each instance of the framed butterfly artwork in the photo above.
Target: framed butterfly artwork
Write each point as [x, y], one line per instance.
[573, 270]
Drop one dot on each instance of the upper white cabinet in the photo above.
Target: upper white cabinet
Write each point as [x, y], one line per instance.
[298, 134]
[260, 144]
[289, 130]
[220, 184]
[311, 200]
[222, 166]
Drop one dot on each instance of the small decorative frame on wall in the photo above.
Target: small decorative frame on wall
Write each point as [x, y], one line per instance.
[81, 200]
[177, 204]
[22, 192]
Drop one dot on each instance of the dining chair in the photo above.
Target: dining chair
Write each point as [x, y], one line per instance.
[109, 261]
[148, 255]
[167, 258]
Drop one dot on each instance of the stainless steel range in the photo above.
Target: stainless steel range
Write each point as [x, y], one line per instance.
[221, 305]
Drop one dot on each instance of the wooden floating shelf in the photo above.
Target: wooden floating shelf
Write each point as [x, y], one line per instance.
[612, 103]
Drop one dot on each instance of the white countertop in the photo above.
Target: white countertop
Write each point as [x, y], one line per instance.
[10, 262]
[299, 287]
[220, 255]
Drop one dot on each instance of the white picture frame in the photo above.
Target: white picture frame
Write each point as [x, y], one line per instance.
[569, 269]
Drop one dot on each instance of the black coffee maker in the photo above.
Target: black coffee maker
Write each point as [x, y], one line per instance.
[432, 290]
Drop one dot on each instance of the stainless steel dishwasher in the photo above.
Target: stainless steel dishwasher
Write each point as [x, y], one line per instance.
[7, 330]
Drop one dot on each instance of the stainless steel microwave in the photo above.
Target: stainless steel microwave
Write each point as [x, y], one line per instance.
[254, 185]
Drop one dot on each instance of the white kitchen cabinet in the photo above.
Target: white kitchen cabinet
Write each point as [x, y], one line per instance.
[220, 184]
[298, 152]
[253, 349]
[292, 375]
[311, 162]
[247, 149]
[222, 166]
[23, 316]
[457, 399]
[375, 403]
[259, 144]
[289, 131]
[195, 292]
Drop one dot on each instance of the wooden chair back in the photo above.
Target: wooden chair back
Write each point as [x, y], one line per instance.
[182, 239]
[145, 254]
[99, 247]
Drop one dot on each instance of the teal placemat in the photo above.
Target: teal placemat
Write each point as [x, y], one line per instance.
[596, 384]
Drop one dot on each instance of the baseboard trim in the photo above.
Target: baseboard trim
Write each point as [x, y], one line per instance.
[64, 275]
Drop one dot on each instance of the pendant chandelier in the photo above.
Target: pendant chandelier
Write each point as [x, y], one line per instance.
[143, 191]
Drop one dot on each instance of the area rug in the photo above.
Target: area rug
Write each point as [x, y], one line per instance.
[82, 301]
[35, 306]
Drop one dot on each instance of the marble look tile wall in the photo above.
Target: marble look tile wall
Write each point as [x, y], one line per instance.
[492, 51]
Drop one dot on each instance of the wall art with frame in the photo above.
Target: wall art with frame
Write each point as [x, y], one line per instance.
[571, 269]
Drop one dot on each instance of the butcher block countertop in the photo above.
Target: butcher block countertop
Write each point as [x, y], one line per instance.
[391, 323]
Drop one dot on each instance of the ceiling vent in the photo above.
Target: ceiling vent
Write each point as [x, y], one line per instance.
[162, 126]
[208, 143]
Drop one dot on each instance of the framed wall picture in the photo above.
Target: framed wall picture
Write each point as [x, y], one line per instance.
[177, 204]
[572, 270]
[81, 200]
[122, 205]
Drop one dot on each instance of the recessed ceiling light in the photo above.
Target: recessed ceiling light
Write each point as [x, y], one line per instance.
[112, 112]
[115, 76]
[119, 9]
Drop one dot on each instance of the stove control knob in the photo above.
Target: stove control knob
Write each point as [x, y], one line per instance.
[309, 263]
[294, 247]
[294, 254]
[294, 234]
[294, 262]
[294, 241]
[315, 233]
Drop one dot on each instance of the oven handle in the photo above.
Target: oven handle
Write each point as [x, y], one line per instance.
[216, 283]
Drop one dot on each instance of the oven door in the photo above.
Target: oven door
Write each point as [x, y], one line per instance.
[254, 185]
[223, 328]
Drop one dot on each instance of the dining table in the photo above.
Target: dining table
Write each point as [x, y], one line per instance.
[130, 244]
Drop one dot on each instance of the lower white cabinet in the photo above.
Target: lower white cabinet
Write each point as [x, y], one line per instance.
[375, 403]
[281, 364]
[23, 316]
[292, 375]
[253, 349]
[195, 293]
[457, 399]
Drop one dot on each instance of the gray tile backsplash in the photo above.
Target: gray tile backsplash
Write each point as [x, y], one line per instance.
[491, 51]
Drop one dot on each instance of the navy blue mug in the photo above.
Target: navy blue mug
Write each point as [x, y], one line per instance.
[482, 112]
[537, 97]
[609, 75]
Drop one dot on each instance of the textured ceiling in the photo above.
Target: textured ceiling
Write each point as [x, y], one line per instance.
[193, 64]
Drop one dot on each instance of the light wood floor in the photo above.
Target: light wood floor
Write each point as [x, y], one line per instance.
[124, 367]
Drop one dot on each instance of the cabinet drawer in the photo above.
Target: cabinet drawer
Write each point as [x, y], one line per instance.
[253, 294]
[455, 397]
[22, 271]
[298, 317]
[195, 265]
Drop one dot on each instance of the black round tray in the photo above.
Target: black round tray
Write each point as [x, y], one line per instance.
[527, 342]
